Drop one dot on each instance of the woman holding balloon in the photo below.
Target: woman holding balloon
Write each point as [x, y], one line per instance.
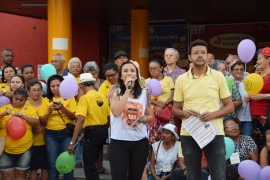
[259, 95]
[16, 122]
[165, 98]
[60, 112]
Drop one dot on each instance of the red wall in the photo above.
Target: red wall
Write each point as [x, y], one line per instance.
[27, 37]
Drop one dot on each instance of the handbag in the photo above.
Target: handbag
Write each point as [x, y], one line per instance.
[165, 115]
[69, 126]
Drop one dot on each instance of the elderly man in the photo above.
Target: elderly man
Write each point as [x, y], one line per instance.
[120, 57]
[58, 61]
[93, 112]
[199, 92]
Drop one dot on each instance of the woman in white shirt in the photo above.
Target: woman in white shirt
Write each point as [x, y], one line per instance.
[130, 112]
[165, 153]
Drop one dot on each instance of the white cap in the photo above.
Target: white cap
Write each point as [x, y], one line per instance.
[85, 77]
[170, 127]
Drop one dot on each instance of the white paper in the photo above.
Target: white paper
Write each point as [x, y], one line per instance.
[60, 43]
[202, 132]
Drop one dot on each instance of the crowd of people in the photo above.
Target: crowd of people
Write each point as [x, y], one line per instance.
[120, 110]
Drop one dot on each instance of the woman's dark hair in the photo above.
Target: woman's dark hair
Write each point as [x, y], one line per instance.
[158, 62]
[137, 86]
[236, 120]
[21, 77]
[26, 66]
[239, 63]
[197, 42]
[21, 91]
[51, 78]
[110, 66]
[33, 82]
[3, 72]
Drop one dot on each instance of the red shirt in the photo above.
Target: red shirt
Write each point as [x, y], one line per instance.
[258, 107]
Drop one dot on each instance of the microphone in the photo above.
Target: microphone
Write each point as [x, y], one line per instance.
[129, 84]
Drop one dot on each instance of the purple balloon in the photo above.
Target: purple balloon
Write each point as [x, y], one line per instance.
[246, 50]
[249, 169]
[154, 87]
[265, 173]
[4, 101]
[68, 88]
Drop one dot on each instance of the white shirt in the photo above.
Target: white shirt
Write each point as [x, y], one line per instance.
[121, 126]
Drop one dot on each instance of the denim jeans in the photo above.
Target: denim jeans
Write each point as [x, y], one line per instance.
[215, 155]
[79, 152]
[178, 174]
[57, 141]
[246, 128]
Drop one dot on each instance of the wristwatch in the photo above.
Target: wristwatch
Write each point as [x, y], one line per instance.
[71, 143]
[268, 96]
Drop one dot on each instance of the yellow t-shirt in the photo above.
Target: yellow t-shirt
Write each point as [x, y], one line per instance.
[5, 87]
[94, 107]
[104, 88]
[77, 79]
[55, 121]
[38, 138]
[167, 86]
[21, 145]
[202, 94]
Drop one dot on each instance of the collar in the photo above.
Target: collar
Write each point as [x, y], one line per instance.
[191, 76]
[65, 73]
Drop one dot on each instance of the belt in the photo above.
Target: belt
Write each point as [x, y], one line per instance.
[95, 127]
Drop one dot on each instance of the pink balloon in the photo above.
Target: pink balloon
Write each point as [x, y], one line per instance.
[16, 127]
[154, 87]
[68, 88]
[246, 50]
[4, 101]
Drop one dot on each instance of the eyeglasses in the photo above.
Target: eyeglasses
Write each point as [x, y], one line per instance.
[232, 126]
[110, 75]
[241, 70]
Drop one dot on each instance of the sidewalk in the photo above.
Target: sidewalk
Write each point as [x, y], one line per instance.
[79, 172]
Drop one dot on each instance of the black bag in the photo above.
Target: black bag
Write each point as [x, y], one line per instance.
[70, 129]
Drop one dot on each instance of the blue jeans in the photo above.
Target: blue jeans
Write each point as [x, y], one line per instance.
[246, 128]
[215, 155]
[79, 152]
[178, 174]
[57, 141]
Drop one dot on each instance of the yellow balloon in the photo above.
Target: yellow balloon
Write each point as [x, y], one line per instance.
[253, 83]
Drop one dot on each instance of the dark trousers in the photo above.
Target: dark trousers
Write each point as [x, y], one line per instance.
[128, 159]
[215, 155]
[94, 138]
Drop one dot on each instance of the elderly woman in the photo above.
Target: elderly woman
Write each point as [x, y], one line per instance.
[259, 102]
[243, 112]
[92, 67]
[165, 153]
[15, 160]
[236, 97]
[245, 147]
[165, 98]
[171, 56]
[75, 67]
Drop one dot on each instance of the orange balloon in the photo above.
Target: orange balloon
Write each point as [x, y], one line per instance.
[16, 128]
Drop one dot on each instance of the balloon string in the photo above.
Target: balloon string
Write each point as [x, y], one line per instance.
[78, 140]
[245, 67]
[246, 109]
